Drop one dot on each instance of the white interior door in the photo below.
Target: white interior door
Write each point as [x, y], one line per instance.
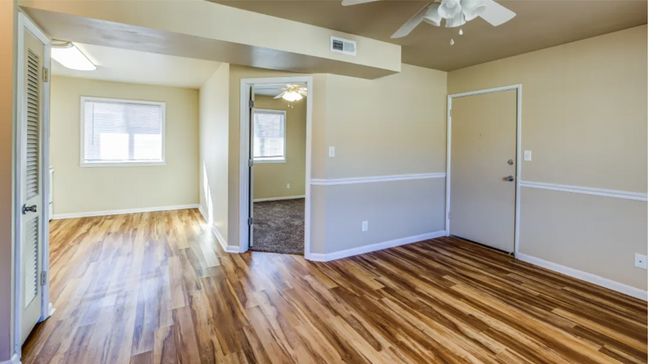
[483, 168]
[251, 148]
[31, 182]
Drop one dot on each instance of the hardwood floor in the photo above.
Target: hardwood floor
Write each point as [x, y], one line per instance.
[158, 288]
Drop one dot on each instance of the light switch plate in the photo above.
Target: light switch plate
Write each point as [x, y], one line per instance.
[332, 152]
[364, 226]
[288, 186]
[528, 155]
[641, 261]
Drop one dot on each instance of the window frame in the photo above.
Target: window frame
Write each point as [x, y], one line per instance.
[82, 144]
[284, 136]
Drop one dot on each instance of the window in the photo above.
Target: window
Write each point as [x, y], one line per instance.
[122, 132]
[269, 136]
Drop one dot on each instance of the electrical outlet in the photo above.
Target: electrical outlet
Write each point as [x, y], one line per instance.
[288, 186]
[641, 261]
[364, 226]
[528, 155]
[332, 152]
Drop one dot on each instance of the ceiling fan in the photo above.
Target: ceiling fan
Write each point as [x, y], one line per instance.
[455, 13]
[292, 93]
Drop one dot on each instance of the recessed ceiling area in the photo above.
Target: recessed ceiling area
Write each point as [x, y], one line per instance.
[539, 24]
[123, 65]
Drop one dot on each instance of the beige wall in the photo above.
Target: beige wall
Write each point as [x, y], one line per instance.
[7, 59]
[213, 134]
[395, 125]
[270, 179]
[78, 189]
[392, 125]
[584, 117]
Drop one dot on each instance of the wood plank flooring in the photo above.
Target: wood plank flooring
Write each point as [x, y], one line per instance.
[158, 288]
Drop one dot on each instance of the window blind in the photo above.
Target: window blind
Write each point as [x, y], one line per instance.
[269, 135]
[122, 131]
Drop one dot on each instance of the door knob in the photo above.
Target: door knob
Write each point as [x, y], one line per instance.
[27, 209]
[509, 178]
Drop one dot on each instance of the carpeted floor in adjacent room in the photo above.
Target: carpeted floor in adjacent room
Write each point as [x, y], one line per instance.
[279, 226]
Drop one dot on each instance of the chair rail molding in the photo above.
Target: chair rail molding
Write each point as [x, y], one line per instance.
[374, 179]
[626, 195]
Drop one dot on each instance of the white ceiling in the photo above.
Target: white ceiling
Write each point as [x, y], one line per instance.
[123, 65]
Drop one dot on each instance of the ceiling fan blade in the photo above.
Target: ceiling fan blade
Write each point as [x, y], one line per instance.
[280, 95]
[495, 13]
[303, 91]
[357, 2]
[408, 27]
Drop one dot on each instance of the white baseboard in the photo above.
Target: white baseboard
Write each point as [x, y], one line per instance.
[587, 277]
[373, 247]
[278, 198]
[121, 212]
[224, 245]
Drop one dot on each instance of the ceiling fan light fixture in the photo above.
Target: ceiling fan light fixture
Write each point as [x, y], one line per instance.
[456, 21]
[449, 9]
[433, 16]
[472, 8]
[292, 96]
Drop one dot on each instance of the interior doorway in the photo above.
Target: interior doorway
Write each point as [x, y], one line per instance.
[484, 167]
[278, 143]
[276, 150]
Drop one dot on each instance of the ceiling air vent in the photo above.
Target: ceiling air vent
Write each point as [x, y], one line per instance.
[345, 46]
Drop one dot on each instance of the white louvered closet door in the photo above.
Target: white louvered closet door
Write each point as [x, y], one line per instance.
[32, 184]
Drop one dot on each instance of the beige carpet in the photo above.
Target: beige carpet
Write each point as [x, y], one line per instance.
[279, 226]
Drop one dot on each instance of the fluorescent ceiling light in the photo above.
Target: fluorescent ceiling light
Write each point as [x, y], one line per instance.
[71, 57]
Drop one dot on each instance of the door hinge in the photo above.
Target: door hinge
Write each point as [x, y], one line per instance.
[43, 278]
[46, 75]
[449, 215]
[250, 162]
[250, 221]
[251, 103]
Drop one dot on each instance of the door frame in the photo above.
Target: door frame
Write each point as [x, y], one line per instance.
[25, 23]
[518, 88]
[244, 149]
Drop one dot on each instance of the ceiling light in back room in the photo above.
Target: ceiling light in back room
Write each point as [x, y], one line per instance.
[69, 56]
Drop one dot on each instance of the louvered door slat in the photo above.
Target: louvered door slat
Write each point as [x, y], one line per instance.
[33, 124]
[30, 249]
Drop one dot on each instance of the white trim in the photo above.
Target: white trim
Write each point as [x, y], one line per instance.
[269, 161]
[282, 159]
[518, 88]
[121, 164]
[355, 180]
[278, 198]
[244, 148]
[74, 215]
[129, 163]
[587, 277]
[374, 247]
[224, 245]
[626, 195]
[25, 23]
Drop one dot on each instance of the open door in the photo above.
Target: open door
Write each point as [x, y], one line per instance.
[251, 164]
[31, 160]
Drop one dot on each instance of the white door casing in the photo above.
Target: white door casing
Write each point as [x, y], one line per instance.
[484, 168]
